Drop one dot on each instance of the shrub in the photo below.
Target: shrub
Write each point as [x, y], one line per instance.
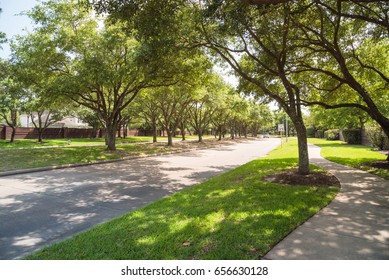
[311, 132]
[319, 134]
[331, 134]
[378, 138]
[352, 136]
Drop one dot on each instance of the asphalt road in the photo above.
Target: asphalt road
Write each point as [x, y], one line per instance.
[38, 209]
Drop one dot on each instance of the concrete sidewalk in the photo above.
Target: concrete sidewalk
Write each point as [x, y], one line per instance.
[354, 226]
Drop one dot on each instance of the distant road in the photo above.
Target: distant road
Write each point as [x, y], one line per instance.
[40, 208]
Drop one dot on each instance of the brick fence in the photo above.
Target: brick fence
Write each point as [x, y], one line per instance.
[65, 132]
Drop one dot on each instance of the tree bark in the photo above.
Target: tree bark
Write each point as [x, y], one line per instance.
[40, 135]
[169, 138]
[13, 134]
[200, 131]
[183, 133]
[111, 137]
[155, 132]
[303, 164]
[154, 129]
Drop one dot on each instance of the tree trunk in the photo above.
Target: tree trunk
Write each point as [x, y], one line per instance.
[169, 138]
[111, 137]
[125, 131]
[155, 132]
[183, 133]
[386, 131]
[40, 135]
[13, 134]
[303, 165]
[200, 135]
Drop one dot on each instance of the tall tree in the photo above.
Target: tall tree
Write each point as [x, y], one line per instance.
[97, 66]
[11, 93]
[259, 49]
[43, 112]
[345, 49]
[172, 102]
[147, 108]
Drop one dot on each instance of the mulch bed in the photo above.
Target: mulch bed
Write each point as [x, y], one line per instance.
[292, 177]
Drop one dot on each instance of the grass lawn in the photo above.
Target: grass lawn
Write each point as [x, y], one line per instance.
[32, 143]
[63, 142]
[232, 216]
[351, 155]
[14, 159]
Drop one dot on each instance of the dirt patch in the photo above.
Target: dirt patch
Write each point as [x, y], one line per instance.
[292, 177]
[382, 164]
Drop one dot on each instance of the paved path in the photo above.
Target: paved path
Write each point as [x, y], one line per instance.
[37, 209]
[355, 225]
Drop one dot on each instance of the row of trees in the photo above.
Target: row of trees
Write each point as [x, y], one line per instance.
[212, 105]
[327, 53]
[75, 62]
[311, 52]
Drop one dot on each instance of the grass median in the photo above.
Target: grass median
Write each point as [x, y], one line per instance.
[232, 216]
[16, 159]
[63, 142]
[357, 156]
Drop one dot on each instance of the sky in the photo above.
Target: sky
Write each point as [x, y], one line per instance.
[11, 23]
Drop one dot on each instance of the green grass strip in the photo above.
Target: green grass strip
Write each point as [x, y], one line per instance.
[350, 155]
[15, 159]
[32, 143]
[232, 216]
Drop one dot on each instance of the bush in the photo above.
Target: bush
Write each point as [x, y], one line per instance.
[378, 138]
[352, 136]
[319, 134]
[311, 132]
[331, 134]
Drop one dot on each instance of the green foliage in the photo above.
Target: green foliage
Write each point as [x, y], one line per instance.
[311, 131]
[378, 138]
[342, 118]
[331, 134]
[352, 136]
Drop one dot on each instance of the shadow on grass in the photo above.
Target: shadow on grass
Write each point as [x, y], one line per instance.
[223, 218]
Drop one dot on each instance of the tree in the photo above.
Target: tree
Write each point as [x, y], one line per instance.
[260, 50]
[341, 118]
[203, 107]
[102, 68]
[259, 117]
[88, 116]
[345, 46]
[43, 112]
[223, 109]
[11, 94]
[172, 102]
[147, 107]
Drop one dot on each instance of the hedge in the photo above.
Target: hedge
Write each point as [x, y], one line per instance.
[352, 136]
[331, 134]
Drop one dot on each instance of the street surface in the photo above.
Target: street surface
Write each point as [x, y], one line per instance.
[38, 209]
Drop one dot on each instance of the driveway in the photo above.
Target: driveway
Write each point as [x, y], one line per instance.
[37, 209]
